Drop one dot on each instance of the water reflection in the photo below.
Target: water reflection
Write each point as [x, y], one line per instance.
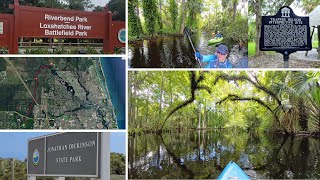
[203, 154]
[169, 52]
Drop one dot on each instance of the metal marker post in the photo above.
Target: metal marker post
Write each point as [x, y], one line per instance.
[105, 156]
[286, 59]
[12, 168]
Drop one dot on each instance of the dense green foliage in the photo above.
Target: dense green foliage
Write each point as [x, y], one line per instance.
[271, 101]
[133, 20]
[150, 15]
[174, 13]
[158, 17]
[118, 163]
[4, 7]
[118, 8]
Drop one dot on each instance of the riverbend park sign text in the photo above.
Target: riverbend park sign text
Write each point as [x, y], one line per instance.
[285, 32]
[38, 22]
[76, 154]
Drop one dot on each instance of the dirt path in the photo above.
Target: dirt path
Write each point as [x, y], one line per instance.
[297, 60]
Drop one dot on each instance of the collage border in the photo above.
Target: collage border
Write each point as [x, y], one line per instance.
[127, 69]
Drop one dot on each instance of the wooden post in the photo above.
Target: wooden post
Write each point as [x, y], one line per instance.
[16, 28]
[107, 41]
[11, 35]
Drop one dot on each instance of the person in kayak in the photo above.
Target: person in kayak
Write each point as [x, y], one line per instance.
[218, 35]
[218, 60]
[213, 35]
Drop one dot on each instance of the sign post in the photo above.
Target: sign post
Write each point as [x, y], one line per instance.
[70, 155]
[285, 33]
[105, 165]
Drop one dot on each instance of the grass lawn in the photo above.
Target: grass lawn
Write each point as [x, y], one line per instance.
[314, 44]
[117, 177]
[252, 49]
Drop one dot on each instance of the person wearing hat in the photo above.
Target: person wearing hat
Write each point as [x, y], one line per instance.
[218, 60]
[218, 35]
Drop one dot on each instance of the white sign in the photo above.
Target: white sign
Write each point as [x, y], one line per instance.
[65, 28]
[1, 27]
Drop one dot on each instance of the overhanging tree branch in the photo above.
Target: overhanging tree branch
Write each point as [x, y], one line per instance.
[233, 97]
[194, 87]
[247, 79]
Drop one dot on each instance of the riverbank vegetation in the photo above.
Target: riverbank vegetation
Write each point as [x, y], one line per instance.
[152, 18]
[286, 102]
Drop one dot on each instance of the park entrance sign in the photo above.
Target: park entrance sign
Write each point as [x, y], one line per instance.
[285, 33]
[39, 22]
[76, 154]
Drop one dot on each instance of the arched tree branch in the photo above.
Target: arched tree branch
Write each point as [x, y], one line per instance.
[247, 79]
[233, 97]
[194, 85]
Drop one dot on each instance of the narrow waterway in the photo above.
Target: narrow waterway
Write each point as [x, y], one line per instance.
[171, 51]
[204, 154]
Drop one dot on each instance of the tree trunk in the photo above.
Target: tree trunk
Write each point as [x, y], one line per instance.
[137, 117]
[161, 92]
[199, 123]
[318, 41]
[183, 16]
[235, 3]
[159, 15]
[258, 26]
[204, 115]
[138, 17]
[130, 97]
[147, 113]
[303, 116]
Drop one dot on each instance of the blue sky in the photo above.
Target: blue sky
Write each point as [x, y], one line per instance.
[100, 2]
[14, 144]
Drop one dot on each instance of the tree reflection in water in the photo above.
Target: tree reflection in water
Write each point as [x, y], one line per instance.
[204, 154]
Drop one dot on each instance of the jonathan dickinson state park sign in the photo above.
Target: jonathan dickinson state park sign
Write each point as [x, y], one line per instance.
[74, 154]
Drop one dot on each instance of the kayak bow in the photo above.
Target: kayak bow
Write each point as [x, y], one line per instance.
[233, 171]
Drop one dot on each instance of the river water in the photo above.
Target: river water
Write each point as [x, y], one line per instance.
[204, 154]
[114, 70]
[170, 51]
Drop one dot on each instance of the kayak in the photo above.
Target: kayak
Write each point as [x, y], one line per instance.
[215, 40]
[233, 171]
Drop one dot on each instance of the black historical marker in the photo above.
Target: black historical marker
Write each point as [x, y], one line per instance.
[285, 33]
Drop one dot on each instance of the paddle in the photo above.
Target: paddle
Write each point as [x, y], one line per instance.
[186, 33]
